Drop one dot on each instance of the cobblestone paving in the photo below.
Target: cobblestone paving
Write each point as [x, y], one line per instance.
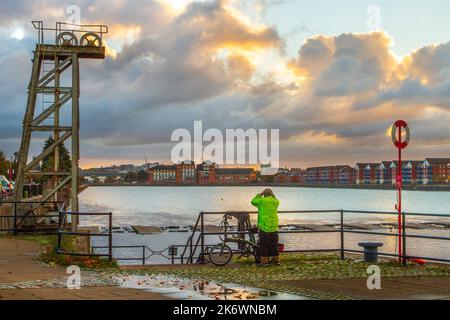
[88, 279]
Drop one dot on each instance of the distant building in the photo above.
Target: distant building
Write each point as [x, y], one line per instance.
[235, 175]
[297, 175]
[162, 174]
[329, 175]
[100, 176]
[185, 173]
[411, 172]
[312, 175]
[268, 170]
[436, 170]
[366, 173]
[384, 173]
[206, 173]
[346, 175]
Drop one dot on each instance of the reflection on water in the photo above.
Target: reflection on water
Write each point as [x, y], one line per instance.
[181, 205]
[179, 288]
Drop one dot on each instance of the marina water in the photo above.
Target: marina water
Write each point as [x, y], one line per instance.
[176, 206]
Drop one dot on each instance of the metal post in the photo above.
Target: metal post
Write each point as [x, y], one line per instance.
[172, 255]
[190, 246]
[399, 186]
[15, 218]
[342, 234]
[404, 237]
[75, 139]
[56, 127]
[110, 237]
[202, 240]
[143, 255]
[60, 222]
[397, 127]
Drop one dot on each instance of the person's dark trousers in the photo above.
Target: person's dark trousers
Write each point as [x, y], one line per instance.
[268, 246]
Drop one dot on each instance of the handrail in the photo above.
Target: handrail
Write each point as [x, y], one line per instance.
[29, 214]
[342, 229]
[144, 249]
[190, 239]
[62, 232]
[97, 30]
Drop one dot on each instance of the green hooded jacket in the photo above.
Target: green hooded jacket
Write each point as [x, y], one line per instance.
[267, 212]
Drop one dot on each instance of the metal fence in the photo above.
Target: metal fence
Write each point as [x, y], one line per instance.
[62, 231]
[23, 213]
[22, 218]
[195, 249]
[144, 253]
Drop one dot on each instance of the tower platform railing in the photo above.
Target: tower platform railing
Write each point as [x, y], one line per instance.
[67, 34]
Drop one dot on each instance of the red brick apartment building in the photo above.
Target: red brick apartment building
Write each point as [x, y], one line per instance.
[185, 173]
[293, 175]
[330, 175]
[206, 173]
[347, 175]
[366, 173]
[162, 174]
[235, 175]
[412, 171]
[436, 170]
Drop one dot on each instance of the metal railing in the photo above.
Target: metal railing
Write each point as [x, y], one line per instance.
[75, 31]
[63, 232]
[195, 248]
[145, 253]
[24, 211]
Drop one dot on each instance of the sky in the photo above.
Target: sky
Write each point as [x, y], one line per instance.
[332, 76]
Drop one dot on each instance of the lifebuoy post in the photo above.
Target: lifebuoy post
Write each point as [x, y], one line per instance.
[400, 144]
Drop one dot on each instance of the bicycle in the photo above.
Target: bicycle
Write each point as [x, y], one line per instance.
[221, 254]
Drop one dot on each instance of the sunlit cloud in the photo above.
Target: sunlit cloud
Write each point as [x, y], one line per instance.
[171, 62]
[177, 6]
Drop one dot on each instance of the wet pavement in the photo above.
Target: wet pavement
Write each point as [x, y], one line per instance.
[192, 289]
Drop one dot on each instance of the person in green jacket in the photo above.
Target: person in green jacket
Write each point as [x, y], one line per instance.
[267, 205]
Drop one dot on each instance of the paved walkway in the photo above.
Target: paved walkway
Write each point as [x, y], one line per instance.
[392, 288]
[24, 277]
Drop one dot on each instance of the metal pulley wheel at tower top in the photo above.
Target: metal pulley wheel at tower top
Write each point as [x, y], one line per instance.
[397, 127]
[66, 39]
[91, 39]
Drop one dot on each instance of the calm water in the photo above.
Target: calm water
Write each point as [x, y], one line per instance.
[160, 206]
[180, 205]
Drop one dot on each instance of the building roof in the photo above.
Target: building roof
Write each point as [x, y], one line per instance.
[346, 168]
[405, 162]
[438, 161]
[386, 164]
[364, 165]
[163, 167]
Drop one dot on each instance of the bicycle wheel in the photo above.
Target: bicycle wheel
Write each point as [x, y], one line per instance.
[221, 230]
[220, 254]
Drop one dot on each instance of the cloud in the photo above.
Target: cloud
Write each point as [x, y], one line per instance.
[211, 61]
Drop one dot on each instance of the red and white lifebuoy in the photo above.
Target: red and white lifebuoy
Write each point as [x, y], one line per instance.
[398, 126]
